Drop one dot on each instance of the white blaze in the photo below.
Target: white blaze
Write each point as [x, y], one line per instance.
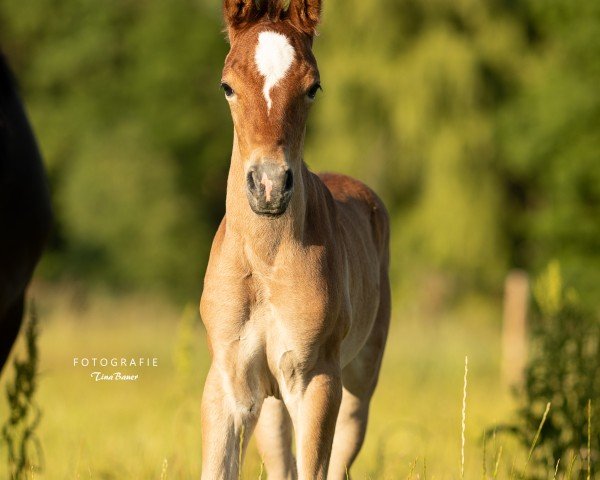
[274, 56]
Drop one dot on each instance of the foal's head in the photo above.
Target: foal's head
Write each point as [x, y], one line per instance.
[270, 79]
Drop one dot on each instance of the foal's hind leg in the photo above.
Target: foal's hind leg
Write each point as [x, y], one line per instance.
[10, 324]
[359, 379]
[274, 438]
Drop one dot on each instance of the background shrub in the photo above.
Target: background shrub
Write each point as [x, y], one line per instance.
[564, 369]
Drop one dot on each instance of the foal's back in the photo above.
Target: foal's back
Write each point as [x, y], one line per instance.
[363, 227]
[358, 204]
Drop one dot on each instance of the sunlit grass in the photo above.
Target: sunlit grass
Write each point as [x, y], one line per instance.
[151, 428]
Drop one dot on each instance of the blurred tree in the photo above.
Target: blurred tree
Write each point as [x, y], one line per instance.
[410, 93]
[125, 100]
[550, 140]
[478, 122]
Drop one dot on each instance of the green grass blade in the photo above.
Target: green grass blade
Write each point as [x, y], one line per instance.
[537, 437]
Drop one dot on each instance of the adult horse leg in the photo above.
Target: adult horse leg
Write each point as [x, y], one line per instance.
[10, 325]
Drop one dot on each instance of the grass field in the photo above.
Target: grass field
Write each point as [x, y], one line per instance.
[128, 430]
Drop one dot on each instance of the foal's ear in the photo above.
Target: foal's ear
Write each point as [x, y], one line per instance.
[304, 14]
[239, 13]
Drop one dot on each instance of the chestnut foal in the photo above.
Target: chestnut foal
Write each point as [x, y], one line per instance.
[296, 299]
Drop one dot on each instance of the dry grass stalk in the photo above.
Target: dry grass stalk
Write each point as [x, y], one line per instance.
[464, 421]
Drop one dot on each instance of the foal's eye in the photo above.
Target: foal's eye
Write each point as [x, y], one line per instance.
[227, 89]
[312, 91]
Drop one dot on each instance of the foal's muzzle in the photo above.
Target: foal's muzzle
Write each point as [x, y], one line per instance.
[269, 188]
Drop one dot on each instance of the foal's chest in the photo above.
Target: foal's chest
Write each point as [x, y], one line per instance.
[291, 307]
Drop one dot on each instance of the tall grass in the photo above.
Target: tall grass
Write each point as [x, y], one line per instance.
[464, 420]
[165, 468]
[19, 432]
[563, 367]
[589, 439]
[125, 431]
[537, 436]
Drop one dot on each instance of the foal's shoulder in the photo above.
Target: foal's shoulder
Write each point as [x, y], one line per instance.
[353, 196]
[219, 236]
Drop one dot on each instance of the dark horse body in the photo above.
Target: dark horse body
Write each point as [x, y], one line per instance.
[25, 213]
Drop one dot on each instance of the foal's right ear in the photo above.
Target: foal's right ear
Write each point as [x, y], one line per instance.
[239, 13]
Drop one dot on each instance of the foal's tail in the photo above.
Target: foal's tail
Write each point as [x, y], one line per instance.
[380, 225]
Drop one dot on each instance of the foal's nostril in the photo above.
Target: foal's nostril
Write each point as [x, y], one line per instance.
[289, 180]
[269, 187]
[251, 180]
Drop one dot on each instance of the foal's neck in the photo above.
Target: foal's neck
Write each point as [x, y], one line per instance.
[264, 236]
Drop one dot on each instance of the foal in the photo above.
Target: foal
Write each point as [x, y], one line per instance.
[296, 299]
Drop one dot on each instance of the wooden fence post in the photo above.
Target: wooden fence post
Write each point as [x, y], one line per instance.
[514, 328]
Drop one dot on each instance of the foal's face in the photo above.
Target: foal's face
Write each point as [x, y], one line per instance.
[270, 79]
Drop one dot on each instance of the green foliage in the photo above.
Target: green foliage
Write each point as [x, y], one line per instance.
[563, 369]
[477, 121]
[410, 92]
[124, 98]
[550, 143]
[479, 124]
[129, 228]
[19, 430]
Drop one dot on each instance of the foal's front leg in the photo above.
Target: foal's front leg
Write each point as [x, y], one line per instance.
[314, 414]
[229, 414]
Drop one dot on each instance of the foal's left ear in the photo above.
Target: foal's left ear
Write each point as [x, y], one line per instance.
[304, 14]
[239, 13]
